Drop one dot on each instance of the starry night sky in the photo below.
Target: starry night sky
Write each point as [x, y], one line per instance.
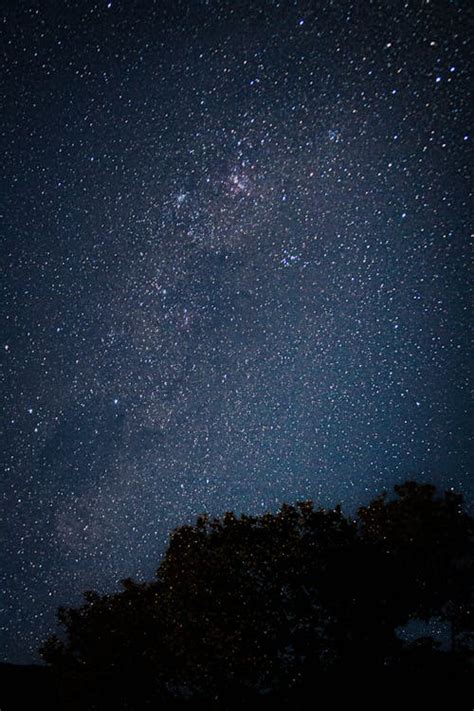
[234, 272]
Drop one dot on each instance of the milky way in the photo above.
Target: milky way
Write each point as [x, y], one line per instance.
[234, 273]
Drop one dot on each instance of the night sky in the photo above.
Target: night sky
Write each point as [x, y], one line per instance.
[234, 272]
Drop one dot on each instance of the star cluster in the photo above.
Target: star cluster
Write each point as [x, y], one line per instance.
[234, 273]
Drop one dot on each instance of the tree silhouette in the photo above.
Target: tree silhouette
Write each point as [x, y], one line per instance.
[424, 543]
[245, 608]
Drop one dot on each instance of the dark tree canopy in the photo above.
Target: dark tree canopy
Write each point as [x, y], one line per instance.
[266, 607]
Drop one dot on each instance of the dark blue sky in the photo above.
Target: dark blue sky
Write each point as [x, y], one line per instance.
[234, 273]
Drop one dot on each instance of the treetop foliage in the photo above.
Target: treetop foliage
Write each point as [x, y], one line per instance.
[254, 607]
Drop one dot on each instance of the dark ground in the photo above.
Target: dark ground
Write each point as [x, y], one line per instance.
[25, 687]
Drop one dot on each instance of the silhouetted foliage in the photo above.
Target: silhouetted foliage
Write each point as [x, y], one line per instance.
[268, 607]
